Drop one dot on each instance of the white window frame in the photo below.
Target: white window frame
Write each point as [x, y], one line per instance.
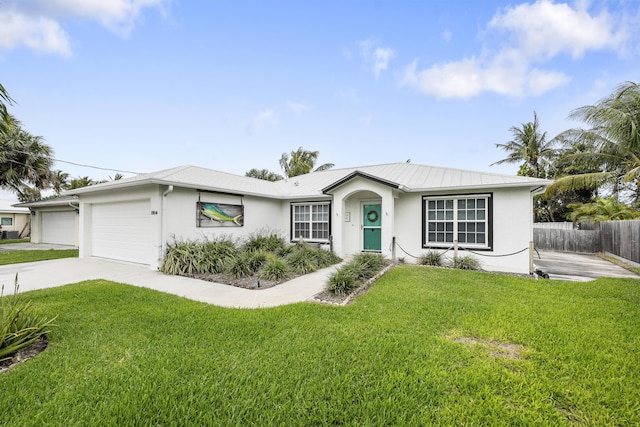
[311, 221]
[450, 217]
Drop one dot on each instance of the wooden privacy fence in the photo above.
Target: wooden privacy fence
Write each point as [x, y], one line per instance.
[620, 238]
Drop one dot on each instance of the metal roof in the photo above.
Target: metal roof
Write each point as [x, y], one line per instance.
[408, 177]
[53, 201]
[8, 206]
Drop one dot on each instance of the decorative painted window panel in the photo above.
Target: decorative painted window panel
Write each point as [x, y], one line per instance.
[465, 218]
[310, 221]
[219, 215]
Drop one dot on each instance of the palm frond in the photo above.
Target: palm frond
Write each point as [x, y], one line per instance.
[578, 182]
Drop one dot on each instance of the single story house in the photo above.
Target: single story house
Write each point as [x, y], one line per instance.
[54, 220]
[14, 220]
[397, 209]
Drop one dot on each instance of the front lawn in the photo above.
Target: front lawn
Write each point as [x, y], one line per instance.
[18, 256]
[423, 347]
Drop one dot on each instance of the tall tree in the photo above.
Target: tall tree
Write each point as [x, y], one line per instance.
[81, 182]
[25, 160]
[529, 147]
[607, 209]
[263, 174]
[615, 133]
[301, 162]
[5, 120]
[59, 181]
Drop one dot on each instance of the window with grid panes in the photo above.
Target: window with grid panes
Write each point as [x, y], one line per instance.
[311, 221]
[462, 218]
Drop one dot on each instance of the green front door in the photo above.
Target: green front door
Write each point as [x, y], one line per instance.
[372, 230]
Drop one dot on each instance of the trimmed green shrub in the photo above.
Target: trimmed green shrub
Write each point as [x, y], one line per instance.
[431, 258]
[239, 266]
[325, 258]
[215, 254]
[361, 268]
[258, 259]
[188, 258]
[274, 269]
[180, 259]
[19, 325]
[466, 262]
[302, 261]
[365, 265]
[264, 241]
[342, 282]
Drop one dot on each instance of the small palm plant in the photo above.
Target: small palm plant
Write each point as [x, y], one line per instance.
[19, 325]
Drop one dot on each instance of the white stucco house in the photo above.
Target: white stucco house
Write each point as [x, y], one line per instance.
[395, 209]
[54, 220]
[14, 220]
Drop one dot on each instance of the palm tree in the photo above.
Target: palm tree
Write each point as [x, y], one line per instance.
[25, 160]
[607, 209]
[59, 181]
[81, 182]
[301, 162]
[615, 133]
[530, 147]
[5, 121]
[264, 174]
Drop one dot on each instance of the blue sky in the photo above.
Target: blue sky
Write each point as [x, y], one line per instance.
[144, 85]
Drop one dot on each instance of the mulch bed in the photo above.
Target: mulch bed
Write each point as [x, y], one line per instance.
[251, 282]
[26, 353]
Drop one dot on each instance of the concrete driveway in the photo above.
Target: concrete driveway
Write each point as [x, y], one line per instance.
[578, 267]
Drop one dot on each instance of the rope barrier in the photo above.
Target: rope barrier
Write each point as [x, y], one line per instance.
[493, 256]
[470, 251]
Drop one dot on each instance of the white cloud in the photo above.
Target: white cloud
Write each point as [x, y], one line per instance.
[536, 33]
[381, 58]
[375, 56]
[297, 107]
[544, 29]
[262, 119]
[38, 24]
[118, 15]
[40, 34]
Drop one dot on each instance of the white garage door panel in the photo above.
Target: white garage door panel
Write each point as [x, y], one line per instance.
[122, 231]
[59, 227]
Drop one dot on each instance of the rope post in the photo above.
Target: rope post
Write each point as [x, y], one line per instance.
[393, 248]
[455, 249]
[531, 248]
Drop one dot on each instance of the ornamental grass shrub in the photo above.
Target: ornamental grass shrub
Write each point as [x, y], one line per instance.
[275, 270]
[432, 258]
[265, 241]
[465, 262]
[20, 326]
[265, 255]
[353, 274]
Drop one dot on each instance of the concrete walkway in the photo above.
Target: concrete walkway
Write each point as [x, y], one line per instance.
[47, 274]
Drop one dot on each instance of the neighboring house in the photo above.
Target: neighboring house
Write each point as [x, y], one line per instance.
[54, 220]
[14, 221]
[394, 209]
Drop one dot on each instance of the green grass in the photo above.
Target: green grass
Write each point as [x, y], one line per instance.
[122, 355]
[15, 257]
[7, 241]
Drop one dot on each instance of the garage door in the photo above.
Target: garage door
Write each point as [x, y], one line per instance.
[122, 231]
[59, 227]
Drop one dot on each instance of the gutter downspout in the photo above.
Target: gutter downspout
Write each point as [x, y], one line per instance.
[162, 245]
